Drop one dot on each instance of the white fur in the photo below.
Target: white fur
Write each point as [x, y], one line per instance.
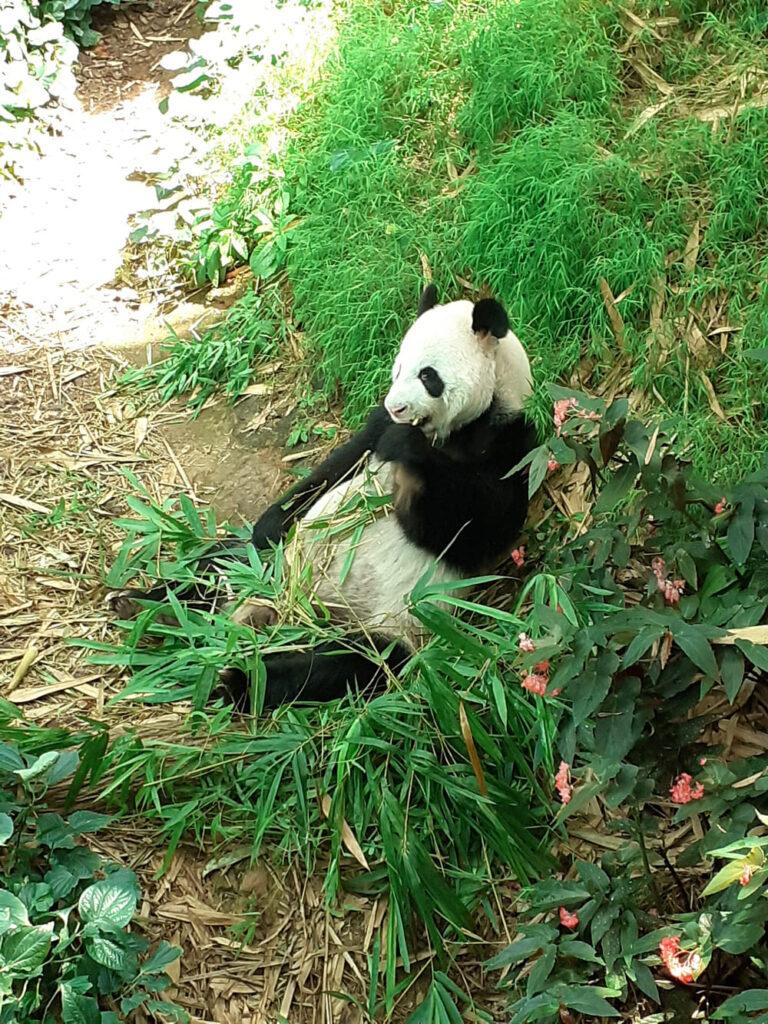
[386, 566]
[474, 370]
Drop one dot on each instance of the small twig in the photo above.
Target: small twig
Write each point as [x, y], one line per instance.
[646, 862]
[678, 881]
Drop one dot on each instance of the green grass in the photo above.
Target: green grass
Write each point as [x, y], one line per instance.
[532, 101]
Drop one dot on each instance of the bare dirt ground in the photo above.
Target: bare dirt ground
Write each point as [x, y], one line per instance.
[68, 328]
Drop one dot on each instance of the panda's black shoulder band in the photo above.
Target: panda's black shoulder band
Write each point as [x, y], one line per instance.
[490, 317]
[428, 299]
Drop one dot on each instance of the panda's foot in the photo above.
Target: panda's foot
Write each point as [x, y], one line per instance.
[123, 604]
[253, 612]
[232, 688]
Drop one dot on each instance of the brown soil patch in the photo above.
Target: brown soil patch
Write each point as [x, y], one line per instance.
[134, 38]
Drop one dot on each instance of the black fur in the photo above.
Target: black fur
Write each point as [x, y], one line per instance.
[464, 507]
[327, 672]
[340, 464]
[428, 299]
[490, 317]
[432, 381]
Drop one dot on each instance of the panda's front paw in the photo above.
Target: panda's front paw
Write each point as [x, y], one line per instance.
[269, 528]
[402, 442]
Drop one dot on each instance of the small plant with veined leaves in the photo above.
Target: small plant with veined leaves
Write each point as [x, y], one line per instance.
[66, 950]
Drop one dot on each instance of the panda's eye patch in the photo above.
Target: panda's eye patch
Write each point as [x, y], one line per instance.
[432, 381]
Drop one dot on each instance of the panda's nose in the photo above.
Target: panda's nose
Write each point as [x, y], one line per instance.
[397, 412]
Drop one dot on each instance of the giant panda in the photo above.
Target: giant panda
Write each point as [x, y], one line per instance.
[440, 447]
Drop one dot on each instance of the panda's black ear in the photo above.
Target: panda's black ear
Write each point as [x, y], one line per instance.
[428, 299]
[490, 317]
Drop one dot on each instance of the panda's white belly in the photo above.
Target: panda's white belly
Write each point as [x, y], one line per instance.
[365, 573]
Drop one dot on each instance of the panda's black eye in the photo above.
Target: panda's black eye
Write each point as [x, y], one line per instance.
[432, 381]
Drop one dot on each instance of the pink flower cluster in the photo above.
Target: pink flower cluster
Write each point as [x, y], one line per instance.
[518, 556]
[746, 874]
[682, 966]
[721, 506]
[563, 782]
[537, 680]
[568, 920]
[682, 792]
[552, 465]
[671, 589]
[526, 645]
[562, 410]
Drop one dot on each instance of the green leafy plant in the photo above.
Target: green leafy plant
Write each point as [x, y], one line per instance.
[223, 359]
[666, 578]
[66, 951]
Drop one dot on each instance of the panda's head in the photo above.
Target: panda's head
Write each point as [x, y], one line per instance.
[453, 363]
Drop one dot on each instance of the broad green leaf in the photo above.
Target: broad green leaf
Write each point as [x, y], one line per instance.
[580, 950]
[13, 913]
[24, 950]
[541, 970]
[110, 903]
[10, 759]
[164, 955]
[77, 1008]
[521, 949]
[733, 871]
[741, 535]
[755, 653]
[6, 828]
[693, 643]
[107, 952]
[732, 672]
[38, 767]
[82, 822]
[585, 1000]
[748, 1001]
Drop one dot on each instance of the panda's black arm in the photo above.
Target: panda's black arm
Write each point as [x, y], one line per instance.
[466, 510]
[275, 522]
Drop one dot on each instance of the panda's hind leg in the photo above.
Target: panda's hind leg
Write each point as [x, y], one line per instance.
[322, 674]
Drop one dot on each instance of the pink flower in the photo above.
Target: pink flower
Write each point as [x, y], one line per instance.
[584, 414]
[682, 966]
[682, 792]
[563, 782]
[518, 556]
[702, 761]
[552, 465]
[746, 874]
[562, 411]
[556, 692]
[568, 920]
[721, 506]
[526, 645]
[542, 668]
[672, 589]
[535, 683]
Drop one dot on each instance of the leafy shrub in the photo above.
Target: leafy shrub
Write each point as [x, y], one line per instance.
[66, 952]
[667, 579]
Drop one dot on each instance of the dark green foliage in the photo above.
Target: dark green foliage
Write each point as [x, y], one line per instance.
[626, 729]
[66, 952]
